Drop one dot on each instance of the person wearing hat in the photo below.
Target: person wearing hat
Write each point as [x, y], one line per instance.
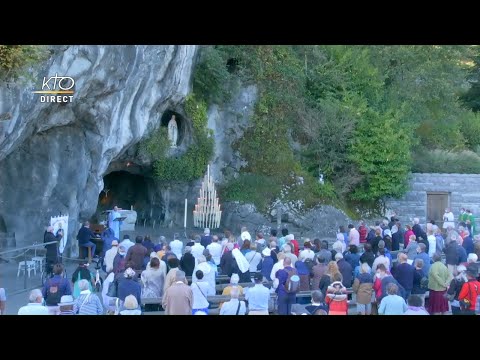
[130, 306]
[257, 297]
[267, 263]
[66, 305]
[470, 291]
[109, 256]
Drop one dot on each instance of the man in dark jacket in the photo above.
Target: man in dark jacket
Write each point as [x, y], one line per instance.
[345, 269]
[51, 257]
[468, 242]
[285, 299]
[84, 237]
[227, 261]
[136, 254]
[454, 254]
[206, 238]
[187, 262]
[418, 231]
[404, 274]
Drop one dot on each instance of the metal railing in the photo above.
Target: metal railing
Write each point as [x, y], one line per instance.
[25, 249]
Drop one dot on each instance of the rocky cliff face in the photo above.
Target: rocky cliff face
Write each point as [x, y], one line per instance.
[53, 156]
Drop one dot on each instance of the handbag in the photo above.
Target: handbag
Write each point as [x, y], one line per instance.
[465, 303]
[112, 289]
[147, 292]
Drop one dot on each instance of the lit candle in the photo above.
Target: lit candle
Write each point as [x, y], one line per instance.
[185, 220]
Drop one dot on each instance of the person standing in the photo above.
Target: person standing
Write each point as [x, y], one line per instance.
[215, 250]
[448, 219]
[178, 299]
[285, 299]
[51, 256]
[136, 254]
[470, 291]
[258, 297]
[115, 224]
[471, 219]
[201, 290]
[206, 238]
[234, 306]
[87, 303]
[55, 288]
[3, 301]
[353, 235]
[176, 246]
[438, 282]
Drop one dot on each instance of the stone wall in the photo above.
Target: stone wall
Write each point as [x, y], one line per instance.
[464, 192]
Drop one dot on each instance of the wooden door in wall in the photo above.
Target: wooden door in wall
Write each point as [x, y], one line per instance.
[437, 202]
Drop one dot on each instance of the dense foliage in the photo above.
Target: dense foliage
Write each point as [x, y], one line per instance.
[361, 116]
[15, 58]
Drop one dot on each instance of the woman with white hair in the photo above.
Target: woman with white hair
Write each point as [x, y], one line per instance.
[363, 287]
[87, 303]
[153, 280]
[339, 245]
[455, 287]
[233, 285]
[254, 258]
[130, 306]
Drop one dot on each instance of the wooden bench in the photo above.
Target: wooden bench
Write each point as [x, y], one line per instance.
[219, 288]
[216, 299]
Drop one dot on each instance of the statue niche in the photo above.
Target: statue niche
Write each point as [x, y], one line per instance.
[173, 132]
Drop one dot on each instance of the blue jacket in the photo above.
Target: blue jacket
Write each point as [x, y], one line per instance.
[468, 245]
[267, 266]
[426, 261]
[64, 287]
[107, 236]
[129, 287]
[404, 274]
[282, 277]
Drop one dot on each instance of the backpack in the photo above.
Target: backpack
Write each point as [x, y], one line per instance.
[310, 264]
[292, 285]
[424, 283]
[54, 295]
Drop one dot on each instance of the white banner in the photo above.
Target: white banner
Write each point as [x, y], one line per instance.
[60, 222]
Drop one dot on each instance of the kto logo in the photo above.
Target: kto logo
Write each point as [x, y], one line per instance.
[58, 87]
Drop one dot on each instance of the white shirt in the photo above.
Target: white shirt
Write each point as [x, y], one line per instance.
[257, 297]
[253, 259]
[199, 301]
[306, 254]
[177, 246]
[230, 308]
[448, 219]
[432, 245]
[109, 257]
[3, 297]
[354, 237]
[197, 250]
[216, 251]
[208, 275]
[33, 309]
[277, 266]
[127, 243]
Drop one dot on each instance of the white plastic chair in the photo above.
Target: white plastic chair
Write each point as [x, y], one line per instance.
[31, 265]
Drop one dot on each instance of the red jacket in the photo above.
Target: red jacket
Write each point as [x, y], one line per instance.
[337, 307]
[470, 290]
[296, 251]
[363, 230]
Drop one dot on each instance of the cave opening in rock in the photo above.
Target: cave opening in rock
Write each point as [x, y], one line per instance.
[124, 189]
[167, 115]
